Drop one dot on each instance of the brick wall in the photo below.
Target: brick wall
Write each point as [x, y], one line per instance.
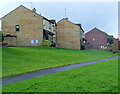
[30, 23]
[67, 35]
[96, 38]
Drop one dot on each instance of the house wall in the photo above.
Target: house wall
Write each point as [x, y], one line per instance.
[46, 25]
[82, 34]
[68, 35]
[30, 23]
[11, 41]
[96, 38]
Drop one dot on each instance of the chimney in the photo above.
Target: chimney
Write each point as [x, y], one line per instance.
[34, 10]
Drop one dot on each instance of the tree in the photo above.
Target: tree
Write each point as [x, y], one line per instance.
[110, 40]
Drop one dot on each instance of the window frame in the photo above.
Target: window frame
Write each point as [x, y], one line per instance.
[44, 22]
[50, 26]
[17, 28]
[32, 41]
[37, 41]
[93, 39]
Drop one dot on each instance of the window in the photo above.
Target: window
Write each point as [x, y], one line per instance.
[36, 41]
[54, 27]
[32, 41]
[44, 22]
[17, 27]
[101, 46]
[93, 39]
[50, 26]
[107, 44]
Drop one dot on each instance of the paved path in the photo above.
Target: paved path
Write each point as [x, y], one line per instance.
[43, 72]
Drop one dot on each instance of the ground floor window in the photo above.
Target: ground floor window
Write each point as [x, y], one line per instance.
[32, 41]
[36, 41]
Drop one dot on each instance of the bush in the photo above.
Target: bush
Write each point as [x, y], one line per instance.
[112, 48]
[46, 43]
[88, 46]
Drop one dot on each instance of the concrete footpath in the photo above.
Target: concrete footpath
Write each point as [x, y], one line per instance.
[43, 72]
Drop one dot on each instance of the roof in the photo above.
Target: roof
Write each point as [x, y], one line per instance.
[80, 27]
[68, 21]
[54, 21]
[98, 30]
[16, 9]
[27, 9]
[48, 20]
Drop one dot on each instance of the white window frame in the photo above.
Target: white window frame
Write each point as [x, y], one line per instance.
[50, 26]
[32, 41]
[44, 22]
[93, 39]
[37, 41]
[101, 46]
[54, 27]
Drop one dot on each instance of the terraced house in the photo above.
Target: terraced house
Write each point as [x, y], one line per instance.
[69, 35]
[25, 27]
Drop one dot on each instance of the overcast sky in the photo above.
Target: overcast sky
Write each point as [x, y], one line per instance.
[103, 15]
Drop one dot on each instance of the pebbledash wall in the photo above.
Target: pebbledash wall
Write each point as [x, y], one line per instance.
[68, 34]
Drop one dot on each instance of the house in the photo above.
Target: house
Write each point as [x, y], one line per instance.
[25, 27]
[82, 37]
[96, 38]
[68, 34]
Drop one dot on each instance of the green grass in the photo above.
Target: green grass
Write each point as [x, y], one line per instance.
[17, 60]
[99, 77]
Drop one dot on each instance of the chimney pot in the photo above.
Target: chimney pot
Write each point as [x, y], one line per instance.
[34, 10]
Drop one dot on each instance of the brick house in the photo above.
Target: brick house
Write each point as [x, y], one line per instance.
[96, 38]
[68, 34]
[28, 27]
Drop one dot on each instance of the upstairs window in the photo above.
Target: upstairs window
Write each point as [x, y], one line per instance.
[93, 39]
[50, 26]
[44, 22]
[54, 27]
[17, 27]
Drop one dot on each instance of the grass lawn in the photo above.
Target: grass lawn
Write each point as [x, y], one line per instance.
[99, 77]
[17, 60]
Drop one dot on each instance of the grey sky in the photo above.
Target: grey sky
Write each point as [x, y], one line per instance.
[103, 15]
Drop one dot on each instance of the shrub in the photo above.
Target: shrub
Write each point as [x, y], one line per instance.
[88, 46]
[46, 43]
[104, 48]
[112, 48]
